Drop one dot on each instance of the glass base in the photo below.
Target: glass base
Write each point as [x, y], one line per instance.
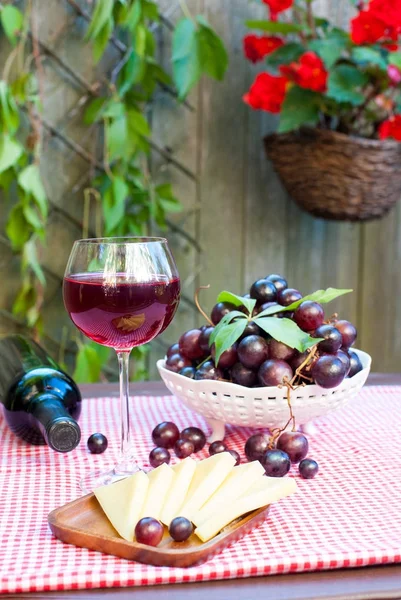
[97, 479]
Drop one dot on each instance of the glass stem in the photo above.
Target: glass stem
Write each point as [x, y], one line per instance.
[123, 364]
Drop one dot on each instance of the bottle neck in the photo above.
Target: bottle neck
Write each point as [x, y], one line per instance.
[60, 431]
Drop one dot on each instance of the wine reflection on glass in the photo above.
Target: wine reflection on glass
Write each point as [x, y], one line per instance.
[121, 293]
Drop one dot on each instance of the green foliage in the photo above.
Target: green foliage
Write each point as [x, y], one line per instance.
[275, 26]
[285, 54]
[321, 296]
[332, 47]
[300, 107]
[12, 21]
[345, 84]
[365, 56]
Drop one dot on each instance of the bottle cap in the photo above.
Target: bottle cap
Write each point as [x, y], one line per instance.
[63, 434]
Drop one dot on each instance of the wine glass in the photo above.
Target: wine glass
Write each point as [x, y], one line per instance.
[121, 292]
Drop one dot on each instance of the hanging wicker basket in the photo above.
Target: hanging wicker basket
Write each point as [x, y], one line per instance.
[336, 176]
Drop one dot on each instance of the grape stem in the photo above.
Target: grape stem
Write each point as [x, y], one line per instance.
[198, 306]
[312, 352]
[332, 319]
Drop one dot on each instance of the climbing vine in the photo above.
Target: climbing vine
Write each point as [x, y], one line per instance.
[131, 201]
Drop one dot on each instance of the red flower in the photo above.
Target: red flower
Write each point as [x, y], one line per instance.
[391, 128]
[390, 46]
[266, 93]
[308, 73]
[366, 28]
[394, 74]
[257, 47]
[277, 6]
[388, 11]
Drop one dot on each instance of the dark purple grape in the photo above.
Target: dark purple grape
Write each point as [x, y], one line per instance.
[252, 351]
[276, 463]
[298, 358]
[272, 372]
[242, 375]
[180, 529]
[294, 444]
[348, 332]
[308, 468]
[263, 291]
[189, 344]
[204, 339]
[328, 371]
[278, 281]
[228, 358]
[252, 329]
[220, 309]
[174, 349]
[256, 446]
[280, 351]
[183, 448]
[288, 296]
[176, 363]
[355, 363]
[345, 359]
[217, 447]
[158, 456]
[332, 339]
[149, 531]
[309, 315]
[97, 443]
[235, 455]
[194, 435]
[188, 372]
[208, 371]
[165, 434]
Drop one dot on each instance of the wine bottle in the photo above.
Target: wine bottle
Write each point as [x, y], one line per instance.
[40, 402]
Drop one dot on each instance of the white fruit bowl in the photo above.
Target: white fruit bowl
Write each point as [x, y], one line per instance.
[224, 403]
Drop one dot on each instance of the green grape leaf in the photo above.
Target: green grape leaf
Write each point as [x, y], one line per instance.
[102, 14]
[30, 258]
[133, 16]
[32, 216]
[321, 296]
[25, 299]
[212, 53]
[287, 332]
[300, 107]
[12, 21]
[285, 54]
[225, 296]
[18, 229]
[114, 204]
[9, 109]
[137, 123]
[166, 199]
[30, 181]
[274, 26]
[185, 57]
[102, 39]
[10, 152]
[227, 336]
[94, 111]
[344, 84]
[234, 314]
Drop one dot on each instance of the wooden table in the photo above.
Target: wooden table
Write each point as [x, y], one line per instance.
[368, 583]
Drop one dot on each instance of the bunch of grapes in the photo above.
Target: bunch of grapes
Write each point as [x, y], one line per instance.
[256, 359]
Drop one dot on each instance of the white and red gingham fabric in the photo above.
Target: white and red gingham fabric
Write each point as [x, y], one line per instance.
[348, 516]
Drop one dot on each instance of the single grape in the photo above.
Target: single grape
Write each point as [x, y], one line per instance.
[328, 371]
[158, 456]
[288, 296]
[263, 291]
[204, 339]
[278, 281]
[189, 372]
[348, 332]
[183, 448]
[219, 310]
[228, 358]
[309, 315]
[272, 372]
[189, 344]
[149, 531]
[332, 339]
[235, 455]
[298, 358]
[97, 443]
[174, 349]
[217, 447]
[176, 363]
[276, 463]
[194, 435]
[294, 444]
[242, 375]
[280, 351]
[308, 468]
[345, 359]
[355, 363]
[252, 351]
[261, 307]
[180, 529]
[165, 434]
[256, 446]
[208, 371]
[252, 329]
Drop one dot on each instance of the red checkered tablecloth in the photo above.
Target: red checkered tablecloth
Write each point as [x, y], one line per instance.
[348, 516]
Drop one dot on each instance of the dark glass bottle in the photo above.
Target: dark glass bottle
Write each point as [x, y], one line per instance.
[40, 402]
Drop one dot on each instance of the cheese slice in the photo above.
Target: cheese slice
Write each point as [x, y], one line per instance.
[261, 493]
[160, 481]
[209, 475]
[239, 480]
[184, 472]
[122, 502]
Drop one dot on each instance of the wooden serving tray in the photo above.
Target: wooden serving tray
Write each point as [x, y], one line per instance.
[83, 523]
